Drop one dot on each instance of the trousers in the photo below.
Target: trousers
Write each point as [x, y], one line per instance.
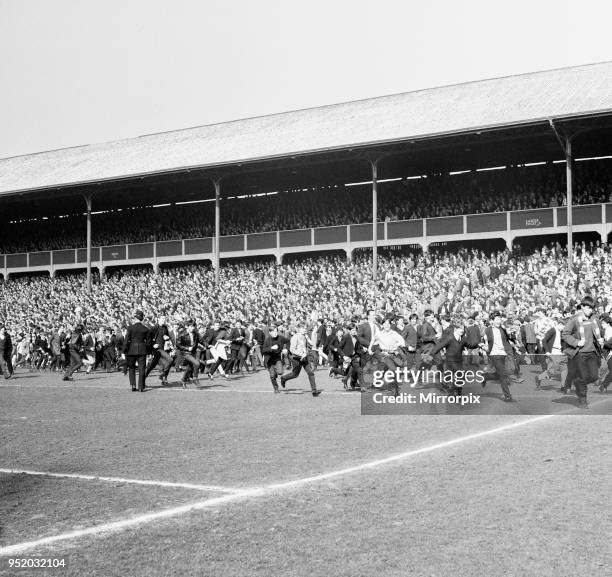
[157, 355]
[131, 365]
[499, 364]
[275, 370]
[75, 362]
[296, 368]
[586, 366]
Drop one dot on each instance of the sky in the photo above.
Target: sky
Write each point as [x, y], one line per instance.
[77, 72]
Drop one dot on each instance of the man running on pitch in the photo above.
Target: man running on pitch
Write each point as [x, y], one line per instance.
[299, 348]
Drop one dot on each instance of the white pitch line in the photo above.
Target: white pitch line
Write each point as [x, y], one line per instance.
[122, 480]
[287, 392]
[402, 456]
[84, 385]
[116, 526]
[124, 524]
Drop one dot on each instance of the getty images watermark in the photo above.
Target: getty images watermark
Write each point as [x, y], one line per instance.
[410, 391]
[405, 375]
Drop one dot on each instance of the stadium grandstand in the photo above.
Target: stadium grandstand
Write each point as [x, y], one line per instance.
[235, 272]
[494, 159]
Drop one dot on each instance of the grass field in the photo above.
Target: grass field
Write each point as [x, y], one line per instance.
[230, 479]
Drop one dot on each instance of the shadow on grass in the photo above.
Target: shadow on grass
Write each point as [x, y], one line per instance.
[211, 385]
[566, 400]
[554, 387]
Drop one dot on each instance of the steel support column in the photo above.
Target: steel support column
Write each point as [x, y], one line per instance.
[88, 202]
[217, 183]
[569, 201]
[566, 145]
[374, 164]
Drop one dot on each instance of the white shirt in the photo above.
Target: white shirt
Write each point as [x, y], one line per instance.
[390, 341]
[607, 337]
[298, 345]
[498, 344]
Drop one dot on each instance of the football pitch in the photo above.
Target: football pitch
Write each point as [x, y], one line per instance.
[231, 479]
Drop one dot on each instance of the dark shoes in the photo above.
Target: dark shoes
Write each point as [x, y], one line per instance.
[67, 378]
[317, 392]
[509, 400]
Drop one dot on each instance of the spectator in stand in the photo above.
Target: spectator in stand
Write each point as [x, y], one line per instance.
[516, 188]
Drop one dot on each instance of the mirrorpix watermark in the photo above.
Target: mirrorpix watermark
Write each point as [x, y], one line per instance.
[423, 391]
[432, 398]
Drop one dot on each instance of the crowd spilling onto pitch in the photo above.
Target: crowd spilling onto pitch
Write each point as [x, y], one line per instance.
[324, 300]
[434, 195]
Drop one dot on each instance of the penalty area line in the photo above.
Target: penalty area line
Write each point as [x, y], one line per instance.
[193, 486]
[138, 520]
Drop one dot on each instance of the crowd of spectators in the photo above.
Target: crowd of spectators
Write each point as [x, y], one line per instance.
[329, 288]
[516, 188]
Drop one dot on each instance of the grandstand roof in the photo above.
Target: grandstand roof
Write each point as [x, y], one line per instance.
[525, 99]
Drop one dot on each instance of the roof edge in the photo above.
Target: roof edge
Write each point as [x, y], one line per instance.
[362, 145]
[308, 108]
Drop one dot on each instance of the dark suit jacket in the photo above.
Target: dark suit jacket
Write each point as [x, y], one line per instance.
[234, 336]
[258, 336]
[364, 335]
[454, 348]
[346, 347]
[188, 342]
[427, 334]
[571, 335]
[472, 336]
[8, 346]
[411, 336]
[137, 340]
[157, 335]
[321, 336]
[209, 336]
[272, 356]
[90, 344]
[3, 345]
[504, 337]
[120, 343]
[528, 340]
[331, 343]
[75, 341]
